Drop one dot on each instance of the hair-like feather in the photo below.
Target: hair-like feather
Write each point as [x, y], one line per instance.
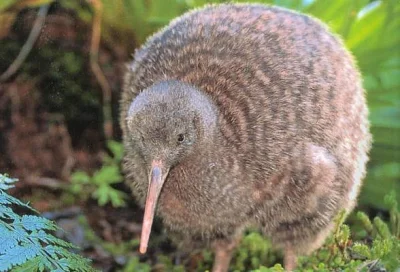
[288, 144]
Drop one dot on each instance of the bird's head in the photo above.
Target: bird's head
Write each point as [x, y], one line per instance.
[166, 123]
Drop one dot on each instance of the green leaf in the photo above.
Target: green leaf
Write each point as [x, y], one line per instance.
[31, 265]
[365, 221]
[362, 250]
[80, 177]
[31, 223]
[108, 174]
[25, 244]
[6, 182]
[117, 149]
[18, 254]
[105, 194]
[382, 228]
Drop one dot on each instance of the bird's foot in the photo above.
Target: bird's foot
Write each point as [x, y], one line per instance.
[178, 258]
[290, 259]
[223, 250]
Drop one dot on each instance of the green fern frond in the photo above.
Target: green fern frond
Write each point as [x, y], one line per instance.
[26, 245]
[6, 182]
[18, 254]
[34, 264]
[5, 199]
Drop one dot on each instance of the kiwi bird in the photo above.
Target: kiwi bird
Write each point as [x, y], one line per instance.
[239, 115]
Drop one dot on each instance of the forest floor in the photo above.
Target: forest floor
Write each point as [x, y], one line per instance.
[51, 126]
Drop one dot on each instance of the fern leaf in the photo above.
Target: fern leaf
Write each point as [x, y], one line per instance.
[7, 199]
[6, 182]
[44, 237]
[31, 223]
[8, 239]
[25, 243]
[18, 255]
[4, 200]
[68, 261]
[32, 265]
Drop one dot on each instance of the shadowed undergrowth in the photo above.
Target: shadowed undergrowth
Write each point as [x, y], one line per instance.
[27, 243]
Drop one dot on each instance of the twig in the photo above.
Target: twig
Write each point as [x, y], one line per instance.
[94, 64]
[368, 264]
[70, 212]
[45, 182]
[27, 47]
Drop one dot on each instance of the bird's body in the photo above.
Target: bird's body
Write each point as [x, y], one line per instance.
[273, 113]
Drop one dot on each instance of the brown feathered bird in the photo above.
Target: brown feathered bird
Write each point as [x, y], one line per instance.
[242, 115]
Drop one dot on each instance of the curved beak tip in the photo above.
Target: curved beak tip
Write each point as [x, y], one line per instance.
[143, 249]
[155, 184]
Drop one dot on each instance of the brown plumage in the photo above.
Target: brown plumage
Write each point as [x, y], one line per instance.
[242, 115]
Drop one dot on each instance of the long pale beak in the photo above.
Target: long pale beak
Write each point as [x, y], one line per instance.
[156, 181]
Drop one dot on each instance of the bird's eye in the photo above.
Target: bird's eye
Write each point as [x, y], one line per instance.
[181, 138]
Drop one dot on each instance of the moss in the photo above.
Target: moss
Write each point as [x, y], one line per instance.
[375, 247]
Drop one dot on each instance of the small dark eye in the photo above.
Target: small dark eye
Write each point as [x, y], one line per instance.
[181, 138]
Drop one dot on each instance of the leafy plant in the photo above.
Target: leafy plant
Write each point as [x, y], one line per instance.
[99, 185]
[124, 250]
[254, 250]
[367, 245]
[134, 264]
[362, 247]
[27, 245]
[377, 245]
[385, 238]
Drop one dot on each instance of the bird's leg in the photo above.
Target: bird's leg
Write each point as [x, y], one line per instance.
[223, 250]
[290, 259]
[178, 258]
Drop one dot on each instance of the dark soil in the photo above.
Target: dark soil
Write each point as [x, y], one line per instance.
[51, 125]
